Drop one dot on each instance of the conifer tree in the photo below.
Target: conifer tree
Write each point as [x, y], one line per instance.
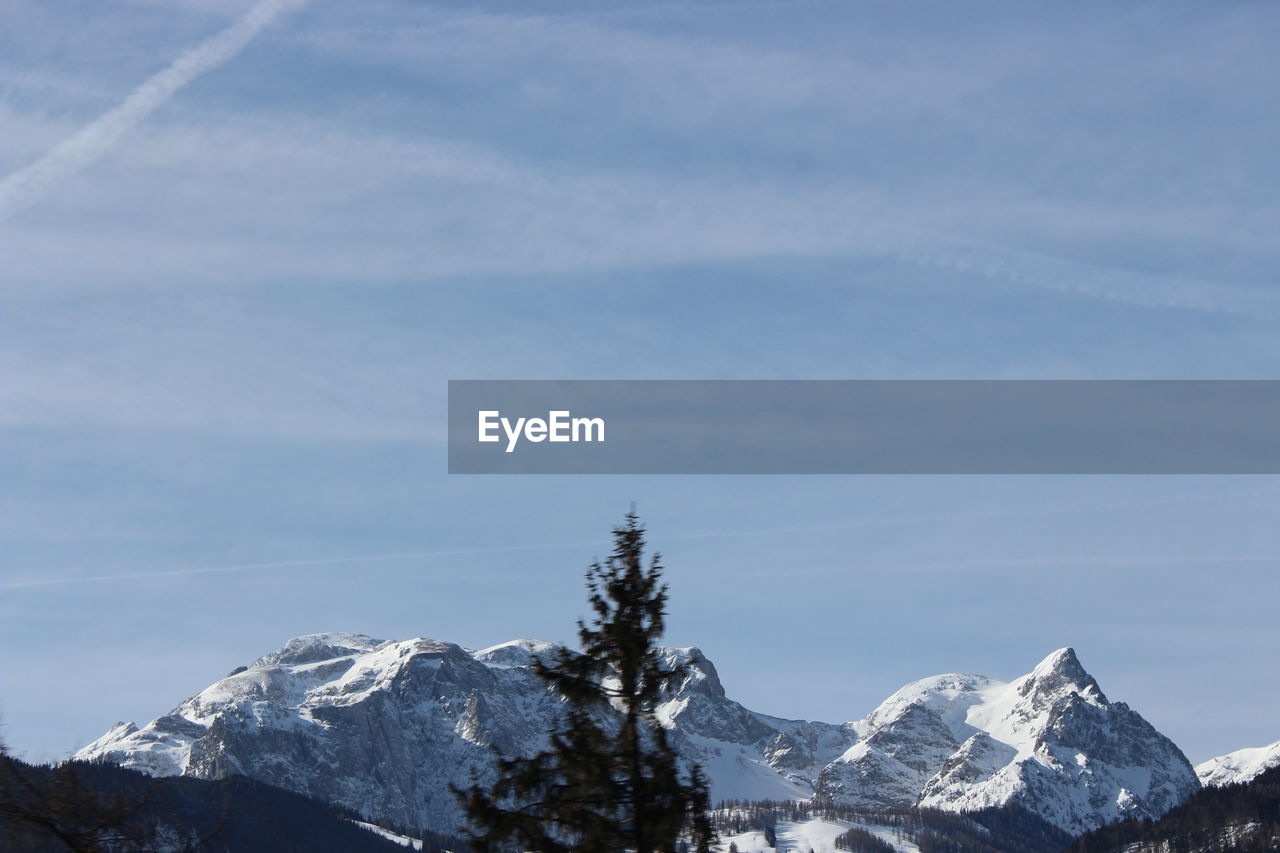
[610, 780]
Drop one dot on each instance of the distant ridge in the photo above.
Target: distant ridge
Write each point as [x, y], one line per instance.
[1240, 817]
[1239, 766]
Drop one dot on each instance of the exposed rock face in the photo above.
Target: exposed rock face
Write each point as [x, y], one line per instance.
[1239, 766]
[387, 727]
[1049, 741]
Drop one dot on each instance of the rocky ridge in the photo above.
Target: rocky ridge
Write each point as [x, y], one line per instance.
[386, 727]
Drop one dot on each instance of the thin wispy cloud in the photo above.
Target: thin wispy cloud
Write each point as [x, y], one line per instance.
[288, 564]
[433, 207]
[1082, 562]
[68, 157]
[1092, 280]
[922, 521]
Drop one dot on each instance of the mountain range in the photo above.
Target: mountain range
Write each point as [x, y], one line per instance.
[385, 728]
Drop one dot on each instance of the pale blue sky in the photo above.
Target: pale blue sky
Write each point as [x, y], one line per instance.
[227, 316]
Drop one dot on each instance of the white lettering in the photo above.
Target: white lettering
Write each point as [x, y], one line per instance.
[513, 435]
[559, 425]
[587, 425]
[486, 425]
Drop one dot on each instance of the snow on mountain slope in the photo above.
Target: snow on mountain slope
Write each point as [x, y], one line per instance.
[402, 840]
[386, 728]
[1239, 766]
[1049, 741]
[815, 834]
[381, 727]
[746, 755]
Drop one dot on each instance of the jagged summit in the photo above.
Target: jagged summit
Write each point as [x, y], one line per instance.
[385, 727]
[699, 672]
[1061, 673]
[1049, 741]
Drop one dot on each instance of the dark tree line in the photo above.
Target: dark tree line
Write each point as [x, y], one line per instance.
[89, 807]
[67, 806]
[859, 840]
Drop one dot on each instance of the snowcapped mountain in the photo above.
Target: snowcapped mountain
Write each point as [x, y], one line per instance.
[386, 727]
[1049, 741]
[1239, 766]
[746, 755]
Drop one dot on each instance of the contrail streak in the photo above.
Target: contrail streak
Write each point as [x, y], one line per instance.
[693, 537]
[28, 185]
[292, 564]
[1156, 290]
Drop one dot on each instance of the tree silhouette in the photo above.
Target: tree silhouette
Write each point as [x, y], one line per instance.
[610, 780]
[58, 808]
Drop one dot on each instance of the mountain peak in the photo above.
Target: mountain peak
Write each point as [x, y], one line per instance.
[1063, 660]
[520, 652]
[699, 672]
[1062, 672]
[310, 648]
